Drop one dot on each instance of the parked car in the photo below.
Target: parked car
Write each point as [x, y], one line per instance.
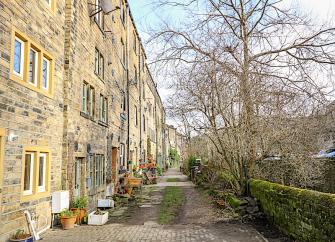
[329, 153]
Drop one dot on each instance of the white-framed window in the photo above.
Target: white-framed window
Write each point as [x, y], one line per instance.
[103, 108]
[91, 101]
[45, 73]
[96, 61]
[49, 2]
[121, 161]
[136, 118]
[101, 66]
[84, 97]
[33, 64]
[97, 168]
[99, 16]
[122, 12]
[18, 62]
[42, 171]
[28, 173]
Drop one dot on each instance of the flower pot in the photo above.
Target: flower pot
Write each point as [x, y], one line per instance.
[68, 222]
[129, 190]
[98, 219]
[29, 239]
[80, 212]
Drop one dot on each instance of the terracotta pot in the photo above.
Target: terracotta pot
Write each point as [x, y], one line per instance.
[129, 190]
[29, 239]
[68, 222]
[80, 212]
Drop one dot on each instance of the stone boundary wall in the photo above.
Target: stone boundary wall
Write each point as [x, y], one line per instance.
[305, 215]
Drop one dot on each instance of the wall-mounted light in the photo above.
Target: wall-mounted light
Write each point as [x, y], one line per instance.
[12, 137]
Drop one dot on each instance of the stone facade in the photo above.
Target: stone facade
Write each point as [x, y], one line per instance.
[31, 117]
[81, 104]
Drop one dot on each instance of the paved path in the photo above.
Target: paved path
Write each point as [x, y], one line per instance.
[197, 222]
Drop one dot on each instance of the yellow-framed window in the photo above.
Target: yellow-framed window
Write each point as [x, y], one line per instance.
[35, 173]
[31, 65]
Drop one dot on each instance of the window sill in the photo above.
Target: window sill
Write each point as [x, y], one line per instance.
[26, 84]
[101, 79]
[35, 196]
[103, 124]
[87, 116]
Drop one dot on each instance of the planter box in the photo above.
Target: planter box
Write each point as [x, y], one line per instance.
[94, 219]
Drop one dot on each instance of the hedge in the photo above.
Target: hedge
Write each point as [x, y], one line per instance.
[304, 215]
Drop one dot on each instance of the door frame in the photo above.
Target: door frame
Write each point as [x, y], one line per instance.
[80, 161]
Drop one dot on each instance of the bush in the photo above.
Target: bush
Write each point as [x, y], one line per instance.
[191, 161]
[159, 170]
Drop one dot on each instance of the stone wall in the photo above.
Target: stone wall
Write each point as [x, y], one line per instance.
[305, 215]
[315, 174]
[29, 117]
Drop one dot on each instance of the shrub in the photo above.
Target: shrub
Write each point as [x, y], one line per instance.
[80, 202]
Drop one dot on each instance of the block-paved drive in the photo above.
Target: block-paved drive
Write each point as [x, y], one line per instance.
[197, 222]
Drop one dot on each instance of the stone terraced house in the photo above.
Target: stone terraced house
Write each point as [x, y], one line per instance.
[77, 104]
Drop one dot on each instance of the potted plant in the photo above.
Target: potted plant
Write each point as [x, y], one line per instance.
[68, 219]
[21, 236]
[129, 189]
[79, 205]
[98, 217]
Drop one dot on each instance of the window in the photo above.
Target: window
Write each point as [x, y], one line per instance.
[103, 109]
[143, 123]
[136, 119]
[33, 60]
[18, 56]
[42, 172]
[45, 73]
[99, 63]
[96, 61]
[2, 144]
[91, 101]
[84, 97]
[99, 170]
[88, 99]
[35, 175]
[99, 16]
[89, 171]
[101, 66]
[31, 66]
[28, 174]
[123, 53]
[121, 161]
[122, 12]
[49, 2]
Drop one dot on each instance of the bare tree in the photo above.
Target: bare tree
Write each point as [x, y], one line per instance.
[249, 75]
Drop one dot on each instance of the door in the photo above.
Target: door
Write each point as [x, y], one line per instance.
[77, 177]
[114, 164]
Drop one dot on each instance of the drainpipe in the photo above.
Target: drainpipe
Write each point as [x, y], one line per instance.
[127, 77]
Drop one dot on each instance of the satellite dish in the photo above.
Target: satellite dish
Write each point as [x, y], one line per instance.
[106, 6]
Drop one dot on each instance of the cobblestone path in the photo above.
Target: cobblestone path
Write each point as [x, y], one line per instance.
[198, 221]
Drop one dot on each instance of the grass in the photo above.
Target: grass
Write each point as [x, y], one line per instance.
[173, 180]
[172, 201]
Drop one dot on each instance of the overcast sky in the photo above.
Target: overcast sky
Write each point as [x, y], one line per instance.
[148, 16]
